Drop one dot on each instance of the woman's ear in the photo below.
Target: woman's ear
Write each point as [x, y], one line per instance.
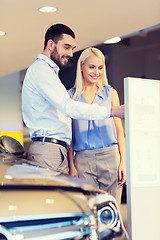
[81, 67]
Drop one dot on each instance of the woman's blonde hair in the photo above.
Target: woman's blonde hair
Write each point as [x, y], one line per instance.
[79, 77]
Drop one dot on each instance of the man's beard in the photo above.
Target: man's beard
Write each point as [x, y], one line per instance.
[57, 59]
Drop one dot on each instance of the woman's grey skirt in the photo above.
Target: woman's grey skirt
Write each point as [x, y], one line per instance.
[100, 168]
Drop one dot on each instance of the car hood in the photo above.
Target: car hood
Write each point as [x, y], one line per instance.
[17, 172]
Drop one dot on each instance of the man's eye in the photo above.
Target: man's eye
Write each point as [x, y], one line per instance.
[91, 67]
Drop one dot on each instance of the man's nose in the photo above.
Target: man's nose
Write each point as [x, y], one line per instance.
[70, 53]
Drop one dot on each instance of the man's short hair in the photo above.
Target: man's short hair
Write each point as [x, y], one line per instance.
[55, 33]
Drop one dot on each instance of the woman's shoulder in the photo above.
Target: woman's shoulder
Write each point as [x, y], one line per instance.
[108, 87]
[71, 92]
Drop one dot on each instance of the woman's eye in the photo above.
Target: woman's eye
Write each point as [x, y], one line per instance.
[100, 67]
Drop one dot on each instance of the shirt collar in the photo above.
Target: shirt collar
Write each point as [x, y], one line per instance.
[100, 93]
[49, 61]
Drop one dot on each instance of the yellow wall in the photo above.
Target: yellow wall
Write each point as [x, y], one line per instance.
[17, 135]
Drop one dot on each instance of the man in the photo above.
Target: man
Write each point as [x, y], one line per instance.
[46, 106]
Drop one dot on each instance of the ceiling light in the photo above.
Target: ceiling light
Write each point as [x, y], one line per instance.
[2, 33]
[113, 40]
[49, 201]
[12, 207]
[48, 9]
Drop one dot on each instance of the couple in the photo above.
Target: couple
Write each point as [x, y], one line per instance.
[47, 108]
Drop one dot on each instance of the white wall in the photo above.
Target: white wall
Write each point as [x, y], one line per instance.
[10, 103]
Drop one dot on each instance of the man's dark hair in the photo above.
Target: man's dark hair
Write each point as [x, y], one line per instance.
[55, 33]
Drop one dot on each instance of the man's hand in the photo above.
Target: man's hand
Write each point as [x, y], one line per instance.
[118, 111]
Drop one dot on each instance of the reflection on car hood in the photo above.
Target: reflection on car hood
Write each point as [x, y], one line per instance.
[26, 174]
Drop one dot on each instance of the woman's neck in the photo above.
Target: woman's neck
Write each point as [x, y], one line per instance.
[90, 88]
[89, 91]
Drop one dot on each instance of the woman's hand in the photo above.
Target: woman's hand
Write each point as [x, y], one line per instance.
[122, 173]
[73, 171]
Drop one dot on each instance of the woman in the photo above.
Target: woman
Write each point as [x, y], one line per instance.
[99, 145]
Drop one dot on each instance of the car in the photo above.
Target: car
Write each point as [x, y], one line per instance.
[41, 204]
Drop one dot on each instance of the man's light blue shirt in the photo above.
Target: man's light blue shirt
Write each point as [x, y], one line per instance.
[46, 106]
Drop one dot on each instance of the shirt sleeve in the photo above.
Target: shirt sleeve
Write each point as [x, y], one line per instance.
[49, 86]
